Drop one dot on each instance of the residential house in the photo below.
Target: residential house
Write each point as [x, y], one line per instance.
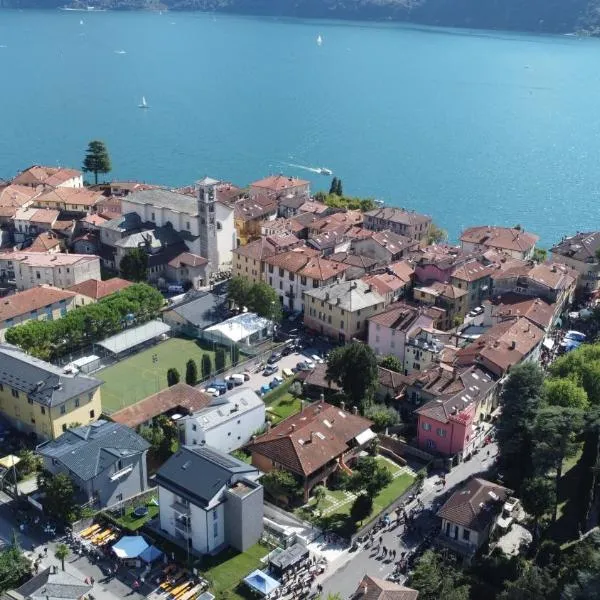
[289, 206]
[179, 399]
[187, 268]
[249, 213]
[470, 516]
[343, 219]
[388, 330]
[51, 580]
[513, 306]
[357, 265]
[331, 241]
[279, 187]
[580, 252]
[227, 422]
[40, 398]
[105, 461]
[394, 283]
[314, 207]
[517, 243]
[68, 199]
[423, 350]
[196, 312]
[292, 273]
[341, 310]
[449, 298]
[398, 220]
[374, 588]
[436, 262]
[49, 177]
[47, 242]
[29, 222]
[249, 260]
[298, 225]
[92, 290]
[385, 246]
[313, 444]
[451, 423]
[552, 282]
[209, 500]
[476, 278]
[12, 198]
[392, 387]
[43, 303]
[504, 345]
[204, 222]
[120, 189]
[31, 269]
[315, 383]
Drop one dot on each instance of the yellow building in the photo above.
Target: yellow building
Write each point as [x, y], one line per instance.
[249, 214]
[38, 397]
[452, 300]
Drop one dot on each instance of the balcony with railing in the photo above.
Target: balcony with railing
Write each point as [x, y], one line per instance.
[455, 545]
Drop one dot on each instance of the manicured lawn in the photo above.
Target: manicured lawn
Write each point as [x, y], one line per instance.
[133, 523]
[137, 376]
[226, 570]
[398, 486]
[283, 407]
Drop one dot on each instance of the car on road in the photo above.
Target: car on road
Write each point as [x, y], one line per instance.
[237, 379]
[316, 358]
[270, 369]
[265, 389]
[275, 357]
[303, 366]
[310, 363]
[276, 381]
[287, 373]
[211, 391]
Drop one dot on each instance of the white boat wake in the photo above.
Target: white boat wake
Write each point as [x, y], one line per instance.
[120, 52]
[311, 169]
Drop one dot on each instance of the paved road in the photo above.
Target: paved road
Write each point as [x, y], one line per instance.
[344, 574]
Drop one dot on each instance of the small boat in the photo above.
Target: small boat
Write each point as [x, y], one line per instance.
[120, 52]
[81, 22]
[82, 9]
[143, 104]
[324, 171]
[319, 40]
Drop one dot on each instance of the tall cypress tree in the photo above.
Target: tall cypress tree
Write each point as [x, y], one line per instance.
[334, 186]
[339, 190]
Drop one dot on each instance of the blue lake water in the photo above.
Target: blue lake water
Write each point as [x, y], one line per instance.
[470, 127]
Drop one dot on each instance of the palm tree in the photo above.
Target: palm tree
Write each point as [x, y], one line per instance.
[61, 552]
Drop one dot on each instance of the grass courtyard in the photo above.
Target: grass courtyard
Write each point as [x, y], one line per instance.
[137, 376]
[335, 507]
[225, 570]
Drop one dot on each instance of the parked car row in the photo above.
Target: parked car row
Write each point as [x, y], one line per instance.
[220, 386]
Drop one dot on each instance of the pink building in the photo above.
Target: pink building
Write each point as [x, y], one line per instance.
[453, 423]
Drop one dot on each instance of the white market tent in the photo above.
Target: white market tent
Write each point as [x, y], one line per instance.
[246, 328]
[130, 338]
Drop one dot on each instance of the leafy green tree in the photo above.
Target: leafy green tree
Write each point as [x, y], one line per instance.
[59, 496]
[239, 290]
[554, 436]
[295, 389]
[585, 587]
[219, 359]
[15, 567]
[589, 468]
[392, 363]
[206, 366]
[361, 508]
[169, 440]
[319, 494]
[173, 376]
[538, 496]
[134, 265]
[354, 368]
[264, 301]
[235, 355]
[154, 436]
[29, 461]
[540, 255]
[61, 552]
[565, 392]
[436, 235]
[369, 477]
[435, 579]
[191, 372]
[382, 416]
[533, 584]
[96, 159]
[334, 186]
[279, 483]
[520, 399]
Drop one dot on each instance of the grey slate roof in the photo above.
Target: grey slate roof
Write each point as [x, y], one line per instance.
[198, 473]
[48, 586]
[203, 311]
[166, 199]
[352, 295]
[42, 382]
[87, 451]
[127, 222]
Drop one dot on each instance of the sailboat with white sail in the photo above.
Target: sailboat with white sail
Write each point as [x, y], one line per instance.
[143, 103]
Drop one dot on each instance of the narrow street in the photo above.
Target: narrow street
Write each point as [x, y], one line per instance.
[344, 574]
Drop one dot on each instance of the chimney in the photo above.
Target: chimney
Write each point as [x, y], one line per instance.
[312, 435]
[293, 427]
[355, 410]
[343, 405]
[513, 345]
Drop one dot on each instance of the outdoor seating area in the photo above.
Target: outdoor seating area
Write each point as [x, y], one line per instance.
[176, 583]
[99, 536]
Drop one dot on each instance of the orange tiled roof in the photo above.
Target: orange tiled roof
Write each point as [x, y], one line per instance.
[94, 288]
[32, 299]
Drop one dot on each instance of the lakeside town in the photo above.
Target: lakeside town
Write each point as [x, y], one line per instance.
[224, 391]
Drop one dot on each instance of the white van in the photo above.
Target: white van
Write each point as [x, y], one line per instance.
[237, 379]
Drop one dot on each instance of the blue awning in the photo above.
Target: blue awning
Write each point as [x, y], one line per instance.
[150, 554]
[261, 582]
[130, 546]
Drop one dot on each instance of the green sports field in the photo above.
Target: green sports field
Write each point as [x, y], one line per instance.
[137, 376]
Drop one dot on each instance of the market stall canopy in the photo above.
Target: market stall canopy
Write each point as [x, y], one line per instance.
[261, 582]
[9, 461]
[150, 554]
[130, 546]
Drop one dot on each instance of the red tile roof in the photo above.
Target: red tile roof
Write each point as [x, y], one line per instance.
[279, 183]
[501, 238]
[305, 442]
[17, 195]
[39, 175]
[23, 303]
[181, 396]
[94, 288]
[44, 242]
[373, 588]
[513, 306]
[187, 259]
[475, 504]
